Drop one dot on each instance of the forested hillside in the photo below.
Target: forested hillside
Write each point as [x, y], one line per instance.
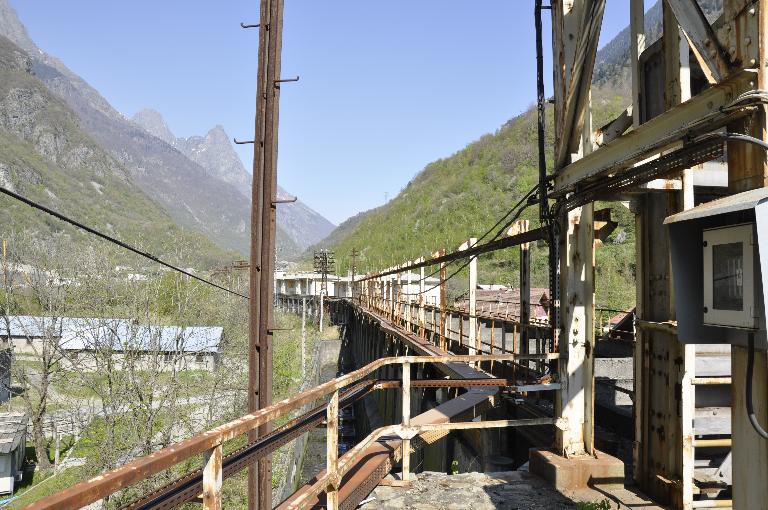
[463, 195]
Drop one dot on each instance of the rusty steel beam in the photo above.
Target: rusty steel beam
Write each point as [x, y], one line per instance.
[702, 39]
[509, 384]
[577, 99]
[474, 251]
[189, 486]
[356, 454]
[703, 113]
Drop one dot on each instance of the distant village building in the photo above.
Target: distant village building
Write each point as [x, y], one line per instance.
[13, 440]
[85, 341]
[310, 284]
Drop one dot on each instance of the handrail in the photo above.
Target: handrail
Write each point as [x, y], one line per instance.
[209, 443]
[332, 480]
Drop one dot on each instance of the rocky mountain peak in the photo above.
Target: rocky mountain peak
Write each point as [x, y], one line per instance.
[217, 135]
[154, 123]
[12, 58]
[12, 28]
[200, 182]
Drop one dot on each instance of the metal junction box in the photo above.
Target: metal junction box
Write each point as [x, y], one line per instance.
[716, 269]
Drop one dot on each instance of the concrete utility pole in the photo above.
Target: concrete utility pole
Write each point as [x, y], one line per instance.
[303, 337]
[263, 238]
[473, 339]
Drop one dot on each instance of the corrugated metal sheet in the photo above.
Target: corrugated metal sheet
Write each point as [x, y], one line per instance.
[76, 333]
[12, 428]
[732, 203]
[507, 302]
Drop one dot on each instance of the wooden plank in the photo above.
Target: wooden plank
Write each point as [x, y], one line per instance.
[712, 421]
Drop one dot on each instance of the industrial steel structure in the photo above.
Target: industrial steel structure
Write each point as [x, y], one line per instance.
[698, 95]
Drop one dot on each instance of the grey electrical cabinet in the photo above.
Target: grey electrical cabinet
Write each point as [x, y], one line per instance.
[716, 269]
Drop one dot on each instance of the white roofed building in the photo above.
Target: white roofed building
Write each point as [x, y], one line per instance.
[86, 342]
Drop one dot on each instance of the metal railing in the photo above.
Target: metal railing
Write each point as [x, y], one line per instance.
[449, 329]
[210, 444]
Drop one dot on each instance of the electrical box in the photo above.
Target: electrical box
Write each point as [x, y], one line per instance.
[729, 281]
[718, 268]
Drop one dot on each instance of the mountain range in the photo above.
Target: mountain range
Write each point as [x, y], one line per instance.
[214, 152]
[46, 157]
[199, 182]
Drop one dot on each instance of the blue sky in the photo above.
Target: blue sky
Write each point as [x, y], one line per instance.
[386, 86]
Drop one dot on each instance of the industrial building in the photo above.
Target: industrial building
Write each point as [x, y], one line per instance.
[85, 342]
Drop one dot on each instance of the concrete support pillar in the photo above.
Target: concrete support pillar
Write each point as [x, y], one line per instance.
[408, 297]
[474, 339]
[443, 305]
[421, 301]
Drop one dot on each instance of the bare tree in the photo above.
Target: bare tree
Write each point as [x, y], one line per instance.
[36, 277]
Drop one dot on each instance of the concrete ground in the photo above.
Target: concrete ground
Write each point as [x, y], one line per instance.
[513, 490]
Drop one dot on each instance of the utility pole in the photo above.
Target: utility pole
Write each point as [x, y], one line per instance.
[303, 338]
[324, 263]
[263, 238]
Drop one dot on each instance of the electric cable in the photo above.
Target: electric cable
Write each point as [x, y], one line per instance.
[113, 240]
[512, 210]
[498, 222]
[750, 368]
[738, 137]
[472, 257]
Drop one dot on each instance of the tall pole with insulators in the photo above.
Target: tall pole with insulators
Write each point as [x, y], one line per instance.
[303, 337]
[262, 252]
[324, 263]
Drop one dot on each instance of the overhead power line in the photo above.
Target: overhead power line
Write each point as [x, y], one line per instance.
[512, 210]
[494, 244]
[113, 240]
